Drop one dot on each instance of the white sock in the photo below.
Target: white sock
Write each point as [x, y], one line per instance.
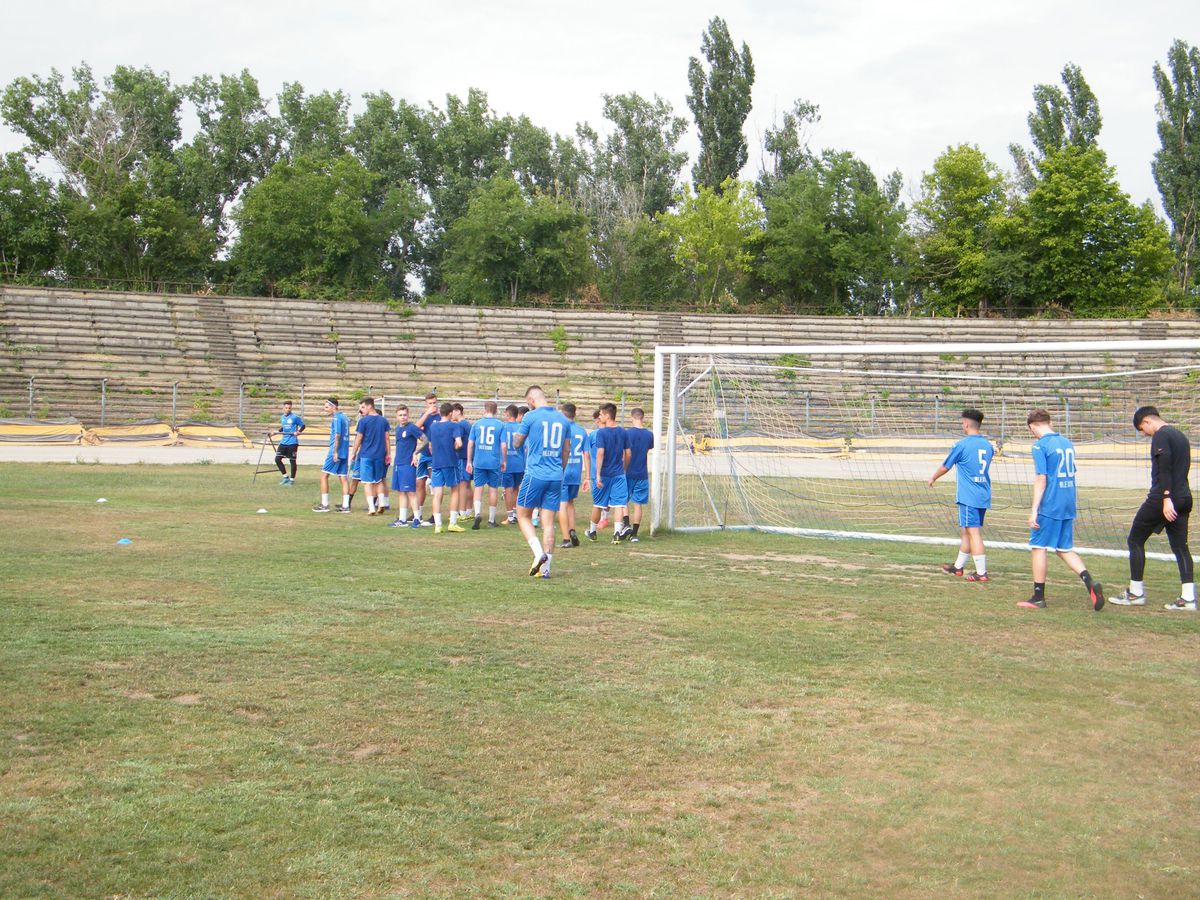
[402, 513]
[478, 506]
[453, 517]
[536, 546]
[324, 499]
[962, 559]
[546, 564]
[492, 514]
[370, 503]
[1189, 592]
[1136, 587]
[385, 503]
[981, 564]
[345, 499]
[437, 519]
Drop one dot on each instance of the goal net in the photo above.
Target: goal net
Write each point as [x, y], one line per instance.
[840, 440]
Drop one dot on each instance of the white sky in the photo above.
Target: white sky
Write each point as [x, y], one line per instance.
[896, 82]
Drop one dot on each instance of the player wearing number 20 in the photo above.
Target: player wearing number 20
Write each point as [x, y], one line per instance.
[972, 459]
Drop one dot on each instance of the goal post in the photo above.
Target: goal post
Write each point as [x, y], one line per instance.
[839, 440]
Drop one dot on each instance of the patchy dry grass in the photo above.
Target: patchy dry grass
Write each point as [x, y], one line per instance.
[302, 705]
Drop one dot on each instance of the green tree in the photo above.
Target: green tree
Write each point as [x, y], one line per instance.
[316, 125]
[835, 236]
[1092, 251]
[1177, 161]
[719, 98]
[640, 266]
[961, 198]
[30, 220]
[1060, 119]
[310, 228]
[786, 146]
[714, 236]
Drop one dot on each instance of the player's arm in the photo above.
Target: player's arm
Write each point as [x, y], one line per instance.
[626, 457]
[421, 442]
[300, 428]
[337, 446]
[1162, 454]
[1039, 491]
[471, 457]
[566, 450]
[387, 446]
[503, 455]
[584, 469]
[941, 470]
[357, 445]
[599, 466]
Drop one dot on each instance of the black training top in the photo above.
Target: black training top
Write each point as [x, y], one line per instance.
[1170, 459]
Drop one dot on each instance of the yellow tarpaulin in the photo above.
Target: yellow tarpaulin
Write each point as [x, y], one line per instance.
[45, 431]
[212, 434]
[143, 433]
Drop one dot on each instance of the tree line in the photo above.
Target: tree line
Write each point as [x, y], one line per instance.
[293, 196]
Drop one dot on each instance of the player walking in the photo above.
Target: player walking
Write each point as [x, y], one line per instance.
[574, 475]
[483, 462]
[543, 435]
[640, 441]
[336, 459]
[290, 427]
[972, 459]
[372, 446]
[404, 468]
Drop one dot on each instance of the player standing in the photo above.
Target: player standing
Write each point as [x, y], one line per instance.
[543, 434]
[1167, 506]
[443, 438]
[425, 459]
[483, 462]
[336, 459]
[512, 462]
[404, 468]
[372, 445]
[972, 459]
[574, 475]
[1052, 513]
[637, 473]
[611, 489]
[290, 427]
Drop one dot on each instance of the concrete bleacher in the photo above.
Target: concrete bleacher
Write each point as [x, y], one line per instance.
[138, 346]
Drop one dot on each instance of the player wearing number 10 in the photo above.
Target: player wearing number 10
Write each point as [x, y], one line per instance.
[543, 434]
[972, 458]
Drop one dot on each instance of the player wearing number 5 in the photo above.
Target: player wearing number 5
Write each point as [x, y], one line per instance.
[542, 433]
[1052, 513]
[972, 459]
[483, 461]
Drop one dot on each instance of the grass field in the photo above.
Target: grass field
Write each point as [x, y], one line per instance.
[301, 705]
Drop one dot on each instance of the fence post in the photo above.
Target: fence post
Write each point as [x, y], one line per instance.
[31, 398]
[103, 399]
[241, 401]
[174, 402]
[937, 413]
[302, 399]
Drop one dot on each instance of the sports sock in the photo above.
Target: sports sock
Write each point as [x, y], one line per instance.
[536, 546]
[324, 499]
[1086, 578]
[478, 506]
[370, 503]
[1189, 592]
[346, 500]
[624, 521]
[402, 513]
[492, 514]
[1136, 587]
[636, 526]
[453, 517]
[1039, 590]
[981, 564]
[962, 559]
[437, 519]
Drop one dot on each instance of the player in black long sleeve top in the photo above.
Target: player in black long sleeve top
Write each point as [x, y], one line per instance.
[1167, 505]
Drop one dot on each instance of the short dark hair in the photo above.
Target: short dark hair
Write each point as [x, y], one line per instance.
[638, 413]
[532, 387]
[595, 414]
[511, 410]
[974, 415]
[1038, 415]
[446, 408]
[287, 402]
[1141, 413]
[610, 409]
[458, 407]
[401, 406]
[332, 401]
[370, 401]
[521, 410]
[568, 409]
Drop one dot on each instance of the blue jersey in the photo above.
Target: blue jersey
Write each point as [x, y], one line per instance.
[441, 438]
[486, 433]
[339, 435]
[640, 441]
[374, 431]
[971, 458]
[290, 425]
[1054, 457]
[591, 449]
[406, 438]
[464, 432]
[612, 442]
[514, 458]
[427, 450]
[545, 429]
[573, 473]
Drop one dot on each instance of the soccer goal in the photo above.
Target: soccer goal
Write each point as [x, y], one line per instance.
[838, 441]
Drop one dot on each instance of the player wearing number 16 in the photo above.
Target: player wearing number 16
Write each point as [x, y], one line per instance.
[483, 461]
[542, 433]
[972, 459]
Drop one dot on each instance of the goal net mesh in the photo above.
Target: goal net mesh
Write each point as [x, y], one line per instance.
[843, 444]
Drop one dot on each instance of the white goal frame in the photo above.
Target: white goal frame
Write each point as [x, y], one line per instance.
[666, 412]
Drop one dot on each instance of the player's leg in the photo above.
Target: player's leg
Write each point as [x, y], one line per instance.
[974, 537]
[294, 449]
[493, 496]
[526, 501]
[280, 456]
[958, 567]
[1146, 521]
[1038, 564]
[323, 505]
[1095, 590]
[1177, 536]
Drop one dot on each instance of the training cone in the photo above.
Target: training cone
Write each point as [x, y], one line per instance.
[124, 541]
[102, 500]
[262, 510]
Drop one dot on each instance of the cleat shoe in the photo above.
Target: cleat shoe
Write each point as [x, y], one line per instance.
[320, 507]
[616, 538]
[566, 545]
[478, 521]
[416, 523]
[537, 565]
[951, 569]
[455, 529]
[590, 535]
[634, 539]
[398, 523]
[1096, 595]
[1032, 603]
[1183, 605]
[286, 480]
[537, 522]
[976, 576]
[437, 529]
[546, 573]
[342, 509]
[603, 523]
[1125, 598]
[574, 539]
[493, 524]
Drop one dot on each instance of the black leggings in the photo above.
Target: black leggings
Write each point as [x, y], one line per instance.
[1149, 520]
[288, 452]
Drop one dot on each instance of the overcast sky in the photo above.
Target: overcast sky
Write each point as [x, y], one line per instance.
[896, 82]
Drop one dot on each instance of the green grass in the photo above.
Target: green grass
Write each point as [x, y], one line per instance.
[301, 705]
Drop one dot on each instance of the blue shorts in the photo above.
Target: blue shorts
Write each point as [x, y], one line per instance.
[970, 516]
[639, 489]
[423, 465]
[445, 477]
[1053, 534]
[538, 494]
[512, 479]
[487, 478]
[335, 468]
[404, 478]
[462, 471]
[614, 493]
[370, 471]
[569, 493]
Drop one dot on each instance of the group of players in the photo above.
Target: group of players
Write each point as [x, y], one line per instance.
[1052, 513]
[536, 460]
